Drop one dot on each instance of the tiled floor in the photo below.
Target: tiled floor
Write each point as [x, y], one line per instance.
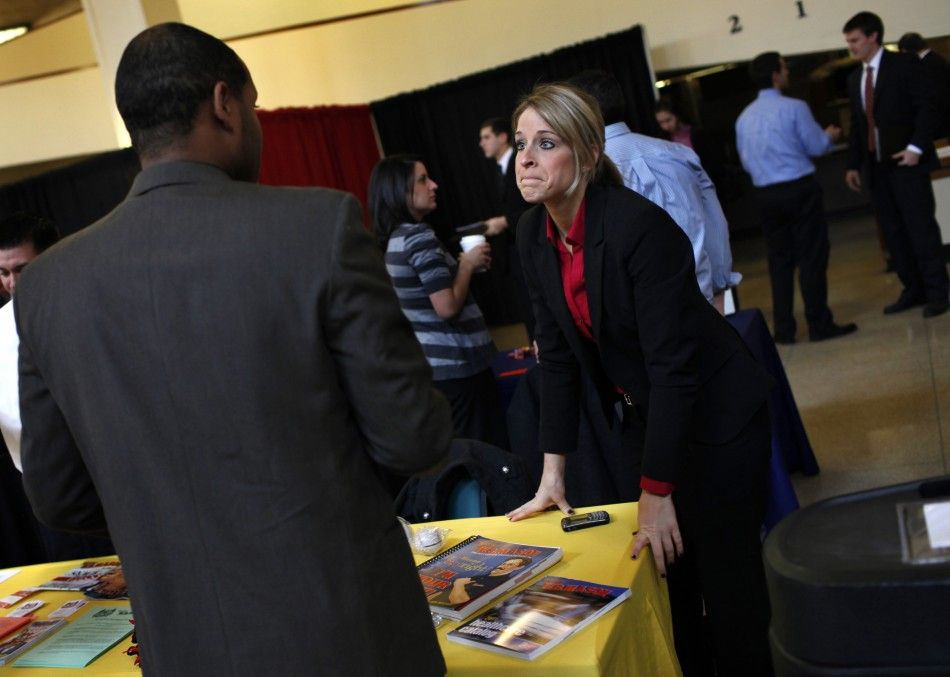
[876, 404]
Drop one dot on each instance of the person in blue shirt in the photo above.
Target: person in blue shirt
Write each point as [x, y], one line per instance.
[670, 176]
[776, 137]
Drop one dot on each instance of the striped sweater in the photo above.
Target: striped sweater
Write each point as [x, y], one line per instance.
[420, 266]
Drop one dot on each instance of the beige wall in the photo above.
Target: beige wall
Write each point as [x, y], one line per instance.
[365, 59]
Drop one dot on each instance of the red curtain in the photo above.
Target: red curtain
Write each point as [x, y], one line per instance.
[331, 146]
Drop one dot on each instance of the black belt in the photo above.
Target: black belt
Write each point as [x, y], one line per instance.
[784, 184]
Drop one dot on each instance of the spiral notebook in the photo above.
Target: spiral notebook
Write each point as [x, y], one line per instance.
[472, 574]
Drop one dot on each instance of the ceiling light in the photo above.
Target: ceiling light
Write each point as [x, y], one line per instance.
[10, 32]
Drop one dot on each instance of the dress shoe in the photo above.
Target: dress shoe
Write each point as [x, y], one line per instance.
[833, 331]
[934, 308]
[902, 304]
[784, 339]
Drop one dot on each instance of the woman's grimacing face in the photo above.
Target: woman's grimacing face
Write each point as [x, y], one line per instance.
[544, 165]
[423, 192]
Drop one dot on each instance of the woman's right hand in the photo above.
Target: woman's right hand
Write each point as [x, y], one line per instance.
[477, 257]
[550, 492]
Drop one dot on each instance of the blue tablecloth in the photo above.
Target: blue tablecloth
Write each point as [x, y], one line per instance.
[791, 450]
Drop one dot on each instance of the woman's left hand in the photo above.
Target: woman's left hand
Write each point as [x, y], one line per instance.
[659, 529]
[550, 492]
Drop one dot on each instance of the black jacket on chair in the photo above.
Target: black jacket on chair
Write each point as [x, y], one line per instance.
[657, 338]
[499, 473]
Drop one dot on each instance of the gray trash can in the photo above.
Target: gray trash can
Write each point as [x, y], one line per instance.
[843, 601]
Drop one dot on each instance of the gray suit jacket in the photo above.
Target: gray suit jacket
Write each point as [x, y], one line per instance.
[216, 369]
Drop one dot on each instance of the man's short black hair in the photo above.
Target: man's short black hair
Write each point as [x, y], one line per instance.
[606, 90]
[498, 126]
[20, 229]
[867, 23]
[762, 68]
[165, 74]
[912, 42]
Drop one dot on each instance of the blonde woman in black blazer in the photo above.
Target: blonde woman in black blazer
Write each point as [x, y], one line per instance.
[614, 292]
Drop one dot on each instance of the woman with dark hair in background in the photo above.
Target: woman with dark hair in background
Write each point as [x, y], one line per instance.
[615, 298]
[433, 291]
[676, 128]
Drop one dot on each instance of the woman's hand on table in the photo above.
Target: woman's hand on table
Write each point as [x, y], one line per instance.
[550, 492]
[658, 529]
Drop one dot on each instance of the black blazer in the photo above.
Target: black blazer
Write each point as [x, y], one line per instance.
[905, 111]
[656, 336]
[938, 73]
[229, 423]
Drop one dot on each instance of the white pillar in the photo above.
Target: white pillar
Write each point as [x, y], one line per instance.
[112, 24]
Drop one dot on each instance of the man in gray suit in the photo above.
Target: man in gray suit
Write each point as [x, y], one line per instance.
[217, 370]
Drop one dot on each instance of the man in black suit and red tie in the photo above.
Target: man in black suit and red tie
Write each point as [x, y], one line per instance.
[893, 119]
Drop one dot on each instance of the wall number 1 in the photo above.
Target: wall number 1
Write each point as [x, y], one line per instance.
[735, 26]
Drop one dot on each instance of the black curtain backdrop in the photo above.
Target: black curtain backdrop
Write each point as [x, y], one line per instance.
[441, 124]
[77, 195]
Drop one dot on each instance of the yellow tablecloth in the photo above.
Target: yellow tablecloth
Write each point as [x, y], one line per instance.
[113, 662]
[636, 638]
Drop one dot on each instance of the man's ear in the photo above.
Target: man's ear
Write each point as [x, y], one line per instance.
[223, 107]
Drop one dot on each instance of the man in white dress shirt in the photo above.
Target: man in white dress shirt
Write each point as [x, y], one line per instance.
[22, 239]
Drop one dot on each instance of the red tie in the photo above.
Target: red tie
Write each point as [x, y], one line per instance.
[869, 108]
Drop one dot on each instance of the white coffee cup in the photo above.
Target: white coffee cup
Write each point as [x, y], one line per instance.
[471, 241]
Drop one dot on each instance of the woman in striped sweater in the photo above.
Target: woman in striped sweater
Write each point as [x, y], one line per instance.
[433, 291]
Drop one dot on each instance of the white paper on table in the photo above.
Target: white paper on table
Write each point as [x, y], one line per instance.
[937, 517]
[26, 609]
[8, 573]
[68, 609]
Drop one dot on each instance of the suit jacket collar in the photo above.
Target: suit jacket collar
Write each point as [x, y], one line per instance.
[549, 272]
[596, 199]
[884, 73]
[175, 173]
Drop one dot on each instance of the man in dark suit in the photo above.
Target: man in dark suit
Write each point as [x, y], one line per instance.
[494, 138]
[938, 76]
[217, 370]
[893, 118]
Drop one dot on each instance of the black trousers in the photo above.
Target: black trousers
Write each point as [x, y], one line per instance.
[796, 233]
[476, 410]
[903, 198]
[720, 507]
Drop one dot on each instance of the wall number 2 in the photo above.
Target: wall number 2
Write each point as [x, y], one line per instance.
[735, 25]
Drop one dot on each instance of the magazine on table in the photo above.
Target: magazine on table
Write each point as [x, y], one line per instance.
[472, 574]
[27, 638]
[99, 580]
[10, 624]
[535, 620]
